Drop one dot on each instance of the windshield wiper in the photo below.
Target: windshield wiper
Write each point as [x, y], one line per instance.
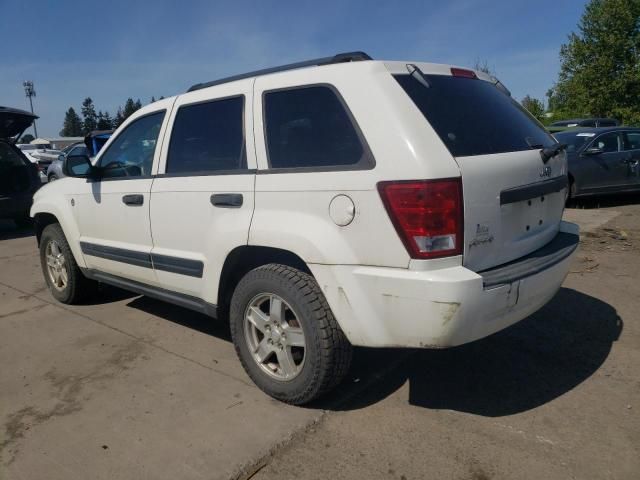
[418, 75]
[550, 152]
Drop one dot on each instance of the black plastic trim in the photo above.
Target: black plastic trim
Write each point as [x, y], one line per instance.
[113, 179]
[183, 266]
[546, 257]
[180, 299]
[227, 200]
[339, 58]
[133, 200]
[139, 259]
[533, 190]
[208, 173]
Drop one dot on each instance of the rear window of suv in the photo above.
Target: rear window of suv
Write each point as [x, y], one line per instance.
[473, 117]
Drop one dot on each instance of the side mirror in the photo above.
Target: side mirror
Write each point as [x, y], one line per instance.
[77, 166]
[593, 151]
[61, 157]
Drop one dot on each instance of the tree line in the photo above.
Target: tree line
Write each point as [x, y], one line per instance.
[76, 126]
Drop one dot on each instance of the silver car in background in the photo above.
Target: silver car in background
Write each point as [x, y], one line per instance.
[56, 170]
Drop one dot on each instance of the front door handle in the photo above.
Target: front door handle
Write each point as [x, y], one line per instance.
[133, 200]
[227, 200]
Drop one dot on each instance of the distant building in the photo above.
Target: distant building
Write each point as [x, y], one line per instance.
[57, 143]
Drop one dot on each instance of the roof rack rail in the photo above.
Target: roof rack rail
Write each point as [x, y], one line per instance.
[339, 58]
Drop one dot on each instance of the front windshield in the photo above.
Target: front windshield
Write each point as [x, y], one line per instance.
[574, 140]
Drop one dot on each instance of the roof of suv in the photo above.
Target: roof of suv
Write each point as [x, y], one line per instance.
[338, 58]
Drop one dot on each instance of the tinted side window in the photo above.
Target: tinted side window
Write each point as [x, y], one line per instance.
[208, 137]
[632, 141]
[310, 127]
[588, 123]
[609, 142]
[607, 123]
[131, 153]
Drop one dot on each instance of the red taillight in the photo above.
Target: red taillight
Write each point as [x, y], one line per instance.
[427, 214]
[463, 72]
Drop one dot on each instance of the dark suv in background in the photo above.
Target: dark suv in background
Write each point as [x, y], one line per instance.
[18, 176]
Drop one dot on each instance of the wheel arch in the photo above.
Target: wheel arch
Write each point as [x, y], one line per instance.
[46, 214]
[241, 260]
[41, 221]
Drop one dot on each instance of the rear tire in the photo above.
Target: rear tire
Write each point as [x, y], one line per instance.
[64, 278]
[287, 371]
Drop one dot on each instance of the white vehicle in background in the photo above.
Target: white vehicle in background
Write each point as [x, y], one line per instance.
[336, 202]
[40, 155]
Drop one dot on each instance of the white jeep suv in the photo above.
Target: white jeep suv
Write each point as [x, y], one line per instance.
[335, 202]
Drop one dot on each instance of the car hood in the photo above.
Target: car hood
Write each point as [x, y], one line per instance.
[13, 121]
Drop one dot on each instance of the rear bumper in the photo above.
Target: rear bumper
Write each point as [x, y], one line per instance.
[392, 307]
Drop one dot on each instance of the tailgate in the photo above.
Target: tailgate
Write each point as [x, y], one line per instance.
[513, 205]
[513, 199]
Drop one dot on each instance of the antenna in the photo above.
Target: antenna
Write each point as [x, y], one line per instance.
[30, 91]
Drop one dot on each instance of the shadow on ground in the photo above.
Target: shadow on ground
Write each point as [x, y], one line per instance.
[9, 230]
[184, 317]
[605, 201]
[518, 369]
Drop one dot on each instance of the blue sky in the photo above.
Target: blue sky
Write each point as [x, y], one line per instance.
[117, 49]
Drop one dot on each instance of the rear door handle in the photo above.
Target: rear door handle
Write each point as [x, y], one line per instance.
[227, 200]
[133, 200]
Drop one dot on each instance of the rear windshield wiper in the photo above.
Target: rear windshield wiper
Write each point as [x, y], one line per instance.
[550, 152]
[418, 75]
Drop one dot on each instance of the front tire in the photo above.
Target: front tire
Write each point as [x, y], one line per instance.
[53, 177]
[286, 336]
[66, 282]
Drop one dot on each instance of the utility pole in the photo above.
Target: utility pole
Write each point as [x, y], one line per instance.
[30, 92]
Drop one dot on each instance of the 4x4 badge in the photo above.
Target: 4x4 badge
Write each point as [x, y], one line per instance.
[545, 172]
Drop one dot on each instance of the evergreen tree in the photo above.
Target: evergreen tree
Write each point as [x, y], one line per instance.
[104, 121]
[153, 99]
[600, 65]
[108, 120]
[130, 107]
[119, 118]
[90, 119]
[72, 126]
[26, 138]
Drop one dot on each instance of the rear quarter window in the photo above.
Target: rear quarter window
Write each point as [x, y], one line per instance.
[473, 117]
[311, 128]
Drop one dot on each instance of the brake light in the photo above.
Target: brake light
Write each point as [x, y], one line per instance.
[427, 214]
[463, 72]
